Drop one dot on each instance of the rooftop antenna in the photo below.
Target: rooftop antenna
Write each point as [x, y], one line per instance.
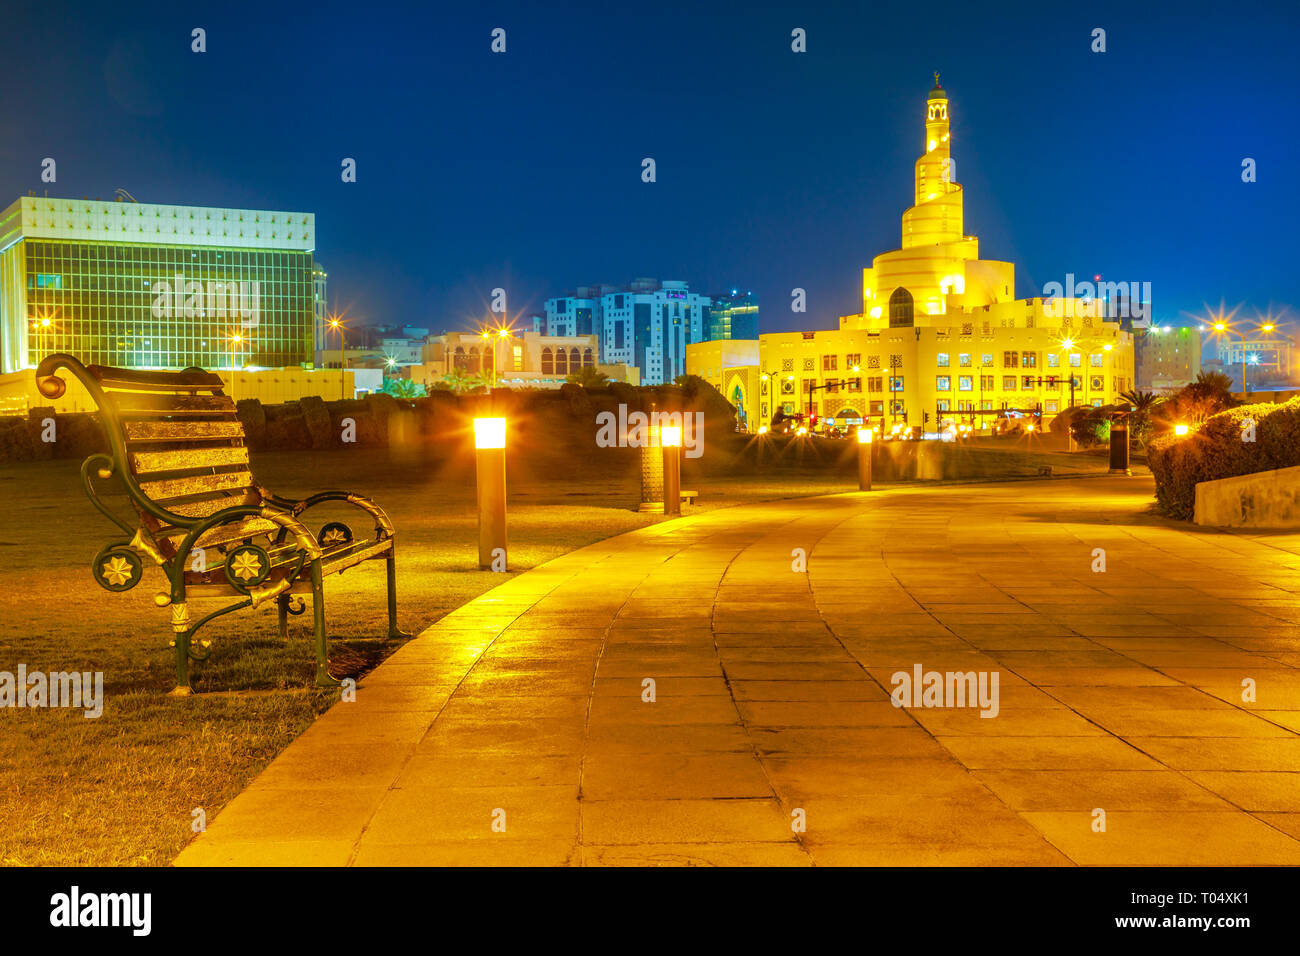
[123, 193]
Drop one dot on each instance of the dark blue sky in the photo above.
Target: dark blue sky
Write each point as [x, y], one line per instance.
[775, 169]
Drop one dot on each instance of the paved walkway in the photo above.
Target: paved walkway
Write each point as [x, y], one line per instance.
[1119, 692]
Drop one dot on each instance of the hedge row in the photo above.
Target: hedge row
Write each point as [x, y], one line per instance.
[1221, 448]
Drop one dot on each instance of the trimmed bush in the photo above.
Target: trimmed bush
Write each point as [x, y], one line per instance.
[1218, 450]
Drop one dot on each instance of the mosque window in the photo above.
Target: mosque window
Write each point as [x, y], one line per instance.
[900, 309]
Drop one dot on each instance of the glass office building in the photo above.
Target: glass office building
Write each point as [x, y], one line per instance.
[140, 285]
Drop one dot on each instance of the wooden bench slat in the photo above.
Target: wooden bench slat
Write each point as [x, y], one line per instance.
[111, 377]
[159, 405]
[168, 489]
[153, 430]
[201, 507]
[184, 459]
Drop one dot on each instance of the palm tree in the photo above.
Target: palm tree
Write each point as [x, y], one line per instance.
[459, 381]
[403, 388]
[588, 377]
[1140, 420]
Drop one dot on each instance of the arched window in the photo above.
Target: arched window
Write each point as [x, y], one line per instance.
[575, 360]
[561, 362]
[588, 360]
[900, 309]
[471, 362]
[458, 358]
[548, 361]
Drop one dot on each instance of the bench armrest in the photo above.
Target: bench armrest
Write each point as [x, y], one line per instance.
[383, 526]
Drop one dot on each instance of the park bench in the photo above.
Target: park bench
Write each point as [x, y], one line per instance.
[689, 497]
[179, 450]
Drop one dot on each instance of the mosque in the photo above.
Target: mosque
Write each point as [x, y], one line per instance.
[941, 341]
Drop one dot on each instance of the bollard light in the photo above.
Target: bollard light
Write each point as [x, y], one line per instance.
[864, 459]
[670, 439]
[490, 464]
[489, 433]
[762, 429]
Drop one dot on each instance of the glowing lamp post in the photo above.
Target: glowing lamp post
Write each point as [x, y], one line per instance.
[1181, 430]
[864, 459]
[670, 438]
[490, 462]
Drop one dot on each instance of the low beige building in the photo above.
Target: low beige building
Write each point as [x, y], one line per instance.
[523, 360]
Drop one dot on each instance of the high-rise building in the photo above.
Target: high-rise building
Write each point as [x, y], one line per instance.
[320, 308]
[732, 315]
[141, 285]
[646, 323]
[1167, 357]
[941, 338]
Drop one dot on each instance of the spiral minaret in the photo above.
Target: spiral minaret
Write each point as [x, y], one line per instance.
[936, 216]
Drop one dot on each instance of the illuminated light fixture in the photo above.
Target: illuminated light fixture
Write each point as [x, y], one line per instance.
[1030, 426]
[933, 144]
[802, 430]
[763, 376]
[1220, 326]
[875, 312]
[864, 459]
[489, 433]
[504, 333]
[670, 436]
[1067, 343]
[1107, 347]
[789, 378]
[856, 368]
[1180, 430]
[762, 429]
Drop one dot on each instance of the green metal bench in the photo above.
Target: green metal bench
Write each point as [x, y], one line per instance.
[179, 450]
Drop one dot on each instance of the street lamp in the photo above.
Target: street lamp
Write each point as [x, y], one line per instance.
[490, 469]
[864, 459]
[670, 439]
[235, 341]
[335, 323]
[1222, 327]
[500, 335]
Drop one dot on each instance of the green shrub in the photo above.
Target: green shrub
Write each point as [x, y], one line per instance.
[1217, 450]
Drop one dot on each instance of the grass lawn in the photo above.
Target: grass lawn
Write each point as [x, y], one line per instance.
[121, 789]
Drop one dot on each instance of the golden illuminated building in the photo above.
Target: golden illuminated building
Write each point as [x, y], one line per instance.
[941, 337]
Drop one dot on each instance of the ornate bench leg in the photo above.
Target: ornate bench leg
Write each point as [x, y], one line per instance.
[394, 633]
[323, 678]
[181, 626]
[282, 607]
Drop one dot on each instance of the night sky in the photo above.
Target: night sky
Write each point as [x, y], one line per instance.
[775, 169]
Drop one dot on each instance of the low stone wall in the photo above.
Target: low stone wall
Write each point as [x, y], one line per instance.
[435, 426]
[1266, 499]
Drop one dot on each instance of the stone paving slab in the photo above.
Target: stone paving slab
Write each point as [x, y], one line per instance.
[680, 696]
